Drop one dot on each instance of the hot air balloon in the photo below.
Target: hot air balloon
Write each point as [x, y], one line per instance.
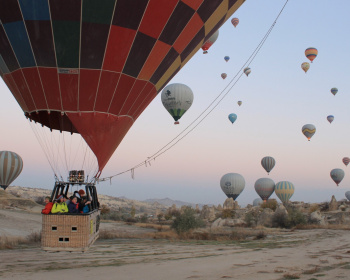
[346, 161]
[247, 71]
[239, 103]
[311, 53]
[308, 130]
[232, 184]
[258, 201]
[337, 175]
[227, 58]
[223, 75]
[305, 66]
[284, 190]
[330, 118]
[210, 42]
[334, 91]
[232, 117]
[268, 163]
[11, 166]
[235, 22]
[264, 188]
[347, 195]
[177, 99]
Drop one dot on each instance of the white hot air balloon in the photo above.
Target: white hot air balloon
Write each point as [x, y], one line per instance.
[177, 99]
[257, 201]
[337, 175]
[347, 195]
[232, 184]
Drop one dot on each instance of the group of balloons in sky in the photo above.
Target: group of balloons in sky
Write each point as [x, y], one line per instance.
[232, 184]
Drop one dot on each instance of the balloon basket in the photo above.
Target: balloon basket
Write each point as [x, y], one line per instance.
[176, 123]
[68, 231]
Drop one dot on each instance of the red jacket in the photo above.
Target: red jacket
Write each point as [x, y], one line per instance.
[47, 209]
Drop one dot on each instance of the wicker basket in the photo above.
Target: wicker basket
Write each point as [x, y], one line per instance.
[69, 232]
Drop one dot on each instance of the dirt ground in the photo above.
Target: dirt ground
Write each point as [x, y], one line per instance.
[309, 254]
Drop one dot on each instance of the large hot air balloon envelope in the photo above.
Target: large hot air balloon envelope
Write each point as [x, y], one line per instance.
[210, 42]
[232, 184]
[264, 188]
[337, 175]
[330, 118]
[177, 99]
[308, 130]
[247, 71]
[311, 53]
[334, 91]
[232, 117]
[305, 66]
[11, 166]
[346, 161]
[239, 103]
[268, 163]
[284, 190]
[92, 67]
[347, 195]
[223, 75]
[227, 58]
[235, 22]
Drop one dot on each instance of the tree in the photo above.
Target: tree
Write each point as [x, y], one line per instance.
[133, 211]
[187, 221]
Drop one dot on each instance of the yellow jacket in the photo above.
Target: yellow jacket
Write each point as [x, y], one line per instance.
[59, 208]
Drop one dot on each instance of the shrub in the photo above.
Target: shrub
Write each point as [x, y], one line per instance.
[105, 209]
[228, 213]
[271, 203]
[144, 218]
[187, 221]
[292, 219]
[313, 208]
[112, 215]
[160, 217]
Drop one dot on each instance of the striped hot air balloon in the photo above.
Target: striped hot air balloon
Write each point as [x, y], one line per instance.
[305, 66]
[239, 103]
[346, 161]
[330, 118]
[311, 53]
[247, 71]
[308, 130]
[235, 22]
[334, 91]
[268, 163]
[232, 184]
[223, 76]
[264, 188]
[11, 166]
[337, 175]
[284, 190]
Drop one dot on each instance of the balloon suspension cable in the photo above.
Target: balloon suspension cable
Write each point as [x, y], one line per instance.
[206, 111]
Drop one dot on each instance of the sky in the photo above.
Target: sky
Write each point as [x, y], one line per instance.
[278, 99]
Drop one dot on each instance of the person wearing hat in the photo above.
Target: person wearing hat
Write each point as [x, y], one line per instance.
[59, 206]
[48, 206]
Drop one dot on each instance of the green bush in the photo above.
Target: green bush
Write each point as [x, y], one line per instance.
[187, 221]
[292, 219]
[251, 218]
[271, 203]
[111, 215]
[144, 218]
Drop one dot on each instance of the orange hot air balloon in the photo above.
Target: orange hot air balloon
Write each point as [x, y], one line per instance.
[235, 22]
[311, 53]
[92, 67]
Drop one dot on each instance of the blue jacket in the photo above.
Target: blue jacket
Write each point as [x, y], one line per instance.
[72, 207]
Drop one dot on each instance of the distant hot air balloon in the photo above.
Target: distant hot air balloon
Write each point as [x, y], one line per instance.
[235, 22]
[264, 188]
[11, 166]
[223, 75]
[232, 184]
[239, 103]
[227, 58]
[347, 195]
[330, 118]
[268, 163]
[308, 130]
[232, 117]
[247, 71]
[305, 66]
[334, 91]
[284, 190]
[311, 53]
[346, 161]
[210, 42]
[177, 99]
[257, 201]
[337, 175]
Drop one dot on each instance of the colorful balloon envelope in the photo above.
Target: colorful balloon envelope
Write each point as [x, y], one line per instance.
[311, 53]
[177, 99]
[334, 91]
[346, 161]
[239, 103]
[232, 184]
[227, 58]
[92, 67]
[330, 118]
[347, 195]
[337, 175]
[308, 130]
[11, 165]
[247, 71]
[235, 22]
[268, 163]
[210, 42]
[305, 66]
[264, 188]
[284, 190]
[223, 76]
[232, 117]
